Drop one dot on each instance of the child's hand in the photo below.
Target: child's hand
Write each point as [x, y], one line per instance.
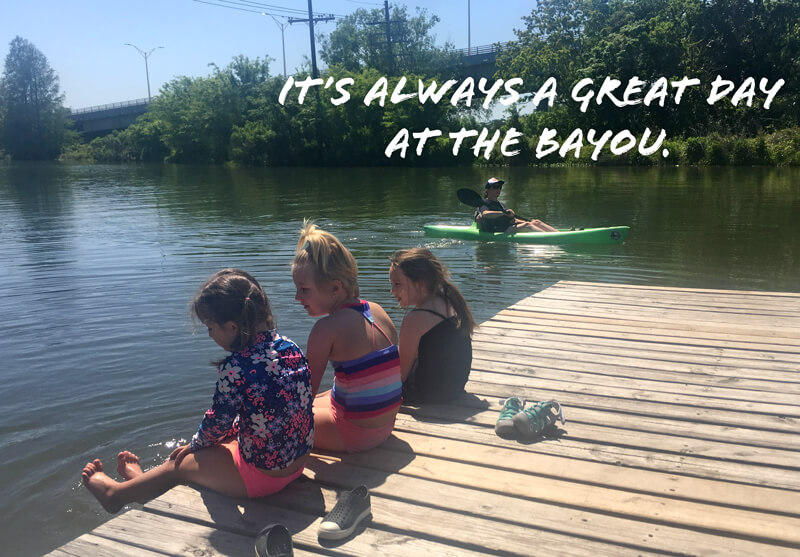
[180, 453]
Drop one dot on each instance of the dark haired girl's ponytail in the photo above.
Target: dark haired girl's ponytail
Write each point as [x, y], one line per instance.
[453, 296]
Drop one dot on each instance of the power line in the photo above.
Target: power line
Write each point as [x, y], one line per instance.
[260, 8]
[311, 19]
[249, 4]
[360, 2]
[234, 8]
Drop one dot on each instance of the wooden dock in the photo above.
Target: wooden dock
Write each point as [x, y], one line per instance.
[682, 437]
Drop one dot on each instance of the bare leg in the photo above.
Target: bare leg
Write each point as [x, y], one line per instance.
[128, 465]
[213, 468]
[326, 434]
[531, 226]
[543, 226]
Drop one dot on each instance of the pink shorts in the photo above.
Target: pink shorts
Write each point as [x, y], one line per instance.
[257, 482]
[358, 438]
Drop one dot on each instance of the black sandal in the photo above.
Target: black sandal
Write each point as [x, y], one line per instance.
[274, 541]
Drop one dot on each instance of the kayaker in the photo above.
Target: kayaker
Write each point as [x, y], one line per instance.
[255, 438]
[356, 336]
[494, 216]
[436, 336]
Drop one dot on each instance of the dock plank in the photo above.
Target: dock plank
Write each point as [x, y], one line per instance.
[682, 436]
[395, 529]
[696, 466]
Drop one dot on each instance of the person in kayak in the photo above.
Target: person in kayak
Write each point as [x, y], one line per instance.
[494, 216]
[436, 336]
[356, 336]
[255, 438]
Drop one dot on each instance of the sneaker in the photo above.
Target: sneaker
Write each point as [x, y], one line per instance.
[534, 419]
[274, 541]
[505, 426]
[351, 508]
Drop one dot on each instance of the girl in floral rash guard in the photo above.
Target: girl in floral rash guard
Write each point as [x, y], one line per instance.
[255, 438]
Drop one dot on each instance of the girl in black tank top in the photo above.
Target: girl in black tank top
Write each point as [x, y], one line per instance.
[435, 337]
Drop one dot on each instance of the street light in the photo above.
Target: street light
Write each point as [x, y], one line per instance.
[145, 55]
[282, 26]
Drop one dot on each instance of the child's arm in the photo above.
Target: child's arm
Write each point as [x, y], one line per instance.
[413, 327]
[218, 422]
[318, 351]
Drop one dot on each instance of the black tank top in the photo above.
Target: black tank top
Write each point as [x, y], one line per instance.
[444, 359]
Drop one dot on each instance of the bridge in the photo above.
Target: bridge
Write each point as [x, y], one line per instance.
[95, 121]
[480, 61]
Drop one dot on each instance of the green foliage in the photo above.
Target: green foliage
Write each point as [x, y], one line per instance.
[716, 151]
[233, 115]
[32, 116]
[362, 41]
[143, 140]
[784, 146]
[197, 116]
[695, 150]
[648, 39]
[79, 152]
[743, 152]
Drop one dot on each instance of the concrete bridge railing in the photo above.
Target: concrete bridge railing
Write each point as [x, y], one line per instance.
[99, 120]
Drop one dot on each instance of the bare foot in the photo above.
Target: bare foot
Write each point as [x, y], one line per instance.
[128, 465]
[100, 485]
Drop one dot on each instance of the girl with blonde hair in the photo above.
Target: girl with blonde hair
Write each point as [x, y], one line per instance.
[356, 336]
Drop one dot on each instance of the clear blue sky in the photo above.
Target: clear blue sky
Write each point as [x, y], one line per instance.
[84, 41]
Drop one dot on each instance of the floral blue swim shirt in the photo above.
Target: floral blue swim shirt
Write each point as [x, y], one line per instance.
[263, 396]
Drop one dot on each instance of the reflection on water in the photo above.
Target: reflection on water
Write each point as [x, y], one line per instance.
[99, 263]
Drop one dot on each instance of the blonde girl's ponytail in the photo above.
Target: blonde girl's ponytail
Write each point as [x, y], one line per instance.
[328, 258]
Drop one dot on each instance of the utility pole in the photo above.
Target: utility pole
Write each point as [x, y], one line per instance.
[146, 55]
[311, 19]
[469, 29]
[388, 36]
[281, 26]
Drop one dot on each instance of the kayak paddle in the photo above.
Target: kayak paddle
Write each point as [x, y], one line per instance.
[469, 197]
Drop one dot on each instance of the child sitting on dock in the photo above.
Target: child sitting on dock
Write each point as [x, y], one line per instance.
[436, 336]
[359, 339]
[255, 438]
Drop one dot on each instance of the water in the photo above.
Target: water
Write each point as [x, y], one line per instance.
[98, 264]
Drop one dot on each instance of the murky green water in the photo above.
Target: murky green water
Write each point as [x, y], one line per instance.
[98, 263]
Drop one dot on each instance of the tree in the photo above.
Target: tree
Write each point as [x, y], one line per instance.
[362, 41]
[35, 118]
[196, 116]
[652, 39]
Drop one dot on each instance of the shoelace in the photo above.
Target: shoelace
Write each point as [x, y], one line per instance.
[511, 407]
[540, 416]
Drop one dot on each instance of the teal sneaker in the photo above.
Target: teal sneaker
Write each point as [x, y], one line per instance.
[534, 419]
[505, 424]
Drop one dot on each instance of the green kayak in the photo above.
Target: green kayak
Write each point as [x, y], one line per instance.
[610, 235]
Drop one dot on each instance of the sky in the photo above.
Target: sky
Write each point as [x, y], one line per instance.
[84, 40]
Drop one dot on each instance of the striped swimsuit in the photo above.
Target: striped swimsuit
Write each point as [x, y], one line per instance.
[368, 386]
